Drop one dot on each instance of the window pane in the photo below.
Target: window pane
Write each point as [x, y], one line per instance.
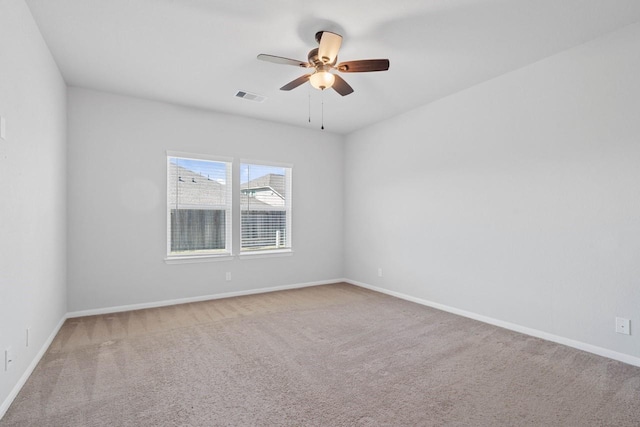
[199, 206]
[265, 204]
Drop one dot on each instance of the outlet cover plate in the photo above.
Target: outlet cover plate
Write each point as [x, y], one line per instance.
[8, 358]
[623, 326]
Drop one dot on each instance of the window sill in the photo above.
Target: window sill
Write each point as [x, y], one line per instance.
[192, 259]
[197, 258]
[266, 254]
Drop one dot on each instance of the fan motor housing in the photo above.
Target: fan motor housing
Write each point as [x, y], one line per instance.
[315, 60]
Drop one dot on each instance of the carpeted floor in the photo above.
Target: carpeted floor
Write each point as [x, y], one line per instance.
[334, 355]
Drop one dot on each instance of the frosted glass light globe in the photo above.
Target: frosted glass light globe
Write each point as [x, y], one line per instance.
[322, 80]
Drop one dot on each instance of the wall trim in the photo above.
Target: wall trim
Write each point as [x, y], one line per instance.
[600, 351]
[141, 306]
[32, 366]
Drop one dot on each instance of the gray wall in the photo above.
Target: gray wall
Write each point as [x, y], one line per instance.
[117, 198]
[32, 193]
[517, 199]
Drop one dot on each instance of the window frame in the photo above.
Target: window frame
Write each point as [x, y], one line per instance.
[288, 182]
[227, 252]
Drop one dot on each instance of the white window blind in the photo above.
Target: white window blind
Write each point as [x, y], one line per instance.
[265, 207]
[198, 206]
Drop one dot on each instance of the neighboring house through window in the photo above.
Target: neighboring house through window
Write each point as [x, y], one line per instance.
[265, 207]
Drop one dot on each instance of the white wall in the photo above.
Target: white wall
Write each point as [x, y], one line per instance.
[117, 200]
[32, 193]
[517, 199]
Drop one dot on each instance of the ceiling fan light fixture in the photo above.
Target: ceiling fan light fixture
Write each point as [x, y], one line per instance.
[322, 80]
[322, 60]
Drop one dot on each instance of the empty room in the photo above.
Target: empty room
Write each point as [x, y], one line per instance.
[332, 213]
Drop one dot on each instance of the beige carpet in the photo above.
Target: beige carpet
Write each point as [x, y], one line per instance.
[332, 355]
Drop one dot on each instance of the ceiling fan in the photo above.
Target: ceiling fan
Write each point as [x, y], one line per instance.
[322, 60]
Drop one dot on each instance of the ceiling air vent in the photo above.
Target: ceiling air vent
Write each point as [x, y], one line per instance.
[250, 96]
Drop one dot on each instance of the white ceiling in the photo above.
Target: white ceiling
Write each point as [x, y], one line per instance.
[201, 52]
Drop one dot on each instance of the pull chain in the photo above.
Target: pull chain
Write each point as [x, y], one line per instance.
[309, 93]
[322, 98]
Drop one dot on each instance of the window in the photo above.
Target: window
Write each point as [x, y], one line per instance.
[198, 206]
[265, 207]
[200, 197]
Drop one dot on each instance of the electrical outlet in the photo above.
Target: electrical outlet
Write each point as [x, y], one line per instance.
[8, 358]
[228, 276]
[3, 128]
[623, 326]
[379, 271]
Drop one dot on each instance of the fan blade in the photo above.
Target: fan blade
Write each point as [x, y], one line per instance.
[281, 60]
[363, 66]
[329, 46]
[342, 87]
[295, 83]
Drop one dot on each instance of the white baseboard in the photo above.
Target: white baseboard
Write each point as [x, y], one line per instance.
[27, 373]
[600, 351]
[117, 309]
